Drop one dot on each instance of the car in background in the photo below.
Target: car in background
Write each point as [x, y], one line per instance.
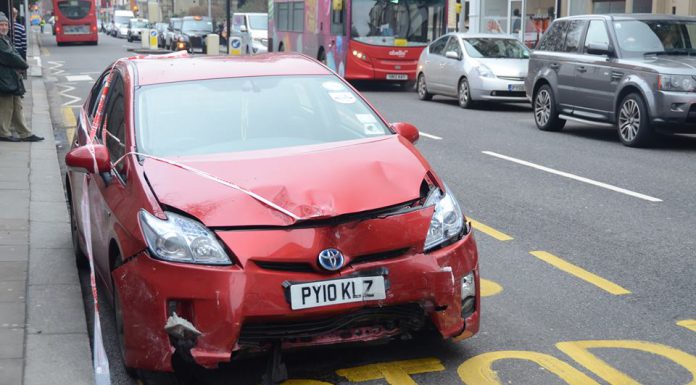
[635, 72]
[240, 236]
[473, 67]
[253, 30]
[173, 29]
[136, 28]
[121, 19]
[161, 29]
[191, 37]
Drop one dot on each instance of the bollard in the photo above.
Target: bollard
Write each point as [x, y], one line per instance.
[144, 41]
[153, 39]
[212, 44]
[235, 45]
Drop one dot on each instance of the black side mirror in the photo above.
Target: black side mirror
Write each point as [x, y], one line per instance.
[600, 49]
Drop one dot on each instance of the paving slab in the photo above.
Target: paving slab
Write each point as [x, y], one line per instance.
[14, 253]
[52, 266]
[11, 371]
[50, 235]
[12, 291]
[49, 212]
[12, 314]
[61, 359]
[53, 309]
[14, 224]
[9, 237]
[14, 204]
[12, 345]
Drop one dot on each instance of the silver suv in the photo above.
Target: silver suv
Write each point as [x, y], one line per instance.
[637, 72]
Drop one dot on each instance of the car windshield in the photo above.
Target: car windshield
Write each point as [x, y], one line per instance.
[669, 37]
[74, 9]
[495, 48]
[121, 19]
[139, 24]
[250, 113]
[176, 24]
[259, 22]
[197, 25]
[397, 22]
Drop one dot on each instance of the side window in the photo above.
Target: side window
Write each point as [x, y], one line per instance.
[554, 36]
[337, 16]
[114, 126]
[596, 34]
[453, 45]
[298, 16]
[438, 47]
[573, 35]
[95, 94]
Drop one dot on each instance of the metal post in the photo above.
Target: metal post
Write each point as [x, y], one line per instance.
[227, 25]
[210, 13]
[26, 16]
[474, 16]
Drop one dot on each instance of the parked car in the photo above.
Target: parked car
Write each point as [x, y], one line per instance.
[121, 18]
[161, 29]
[240, 236]
[172, 30]
[632, 71]
[473, 67]
[191, 37]
[253, 30]
[136, 28]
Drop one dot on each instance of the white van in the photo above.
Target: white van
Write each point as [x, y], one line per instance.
[121, 19]
[253, 28]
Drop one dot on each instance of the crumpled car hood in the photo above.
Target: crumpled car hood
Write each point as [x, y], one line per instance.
[310, 182]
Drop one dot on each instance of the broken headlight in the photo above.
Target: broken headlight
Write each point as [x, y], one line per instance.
[180, 239]
[447, 221]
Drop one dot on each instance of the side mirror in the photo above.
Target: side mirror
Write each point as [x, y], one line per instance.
[452, 55]
[85, 158]
[407, 130]
[243, 28]
[599, 49]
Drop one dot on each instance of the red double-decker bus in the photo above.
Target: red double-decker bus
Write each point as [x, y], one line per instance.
[359, 39]
[75, 21]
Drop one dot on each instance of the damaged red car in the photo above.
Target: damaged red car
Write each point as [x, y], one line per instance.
[243, 205]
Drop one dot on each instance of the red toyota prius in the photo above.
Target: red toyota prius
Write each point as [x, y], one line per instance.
[251, 204]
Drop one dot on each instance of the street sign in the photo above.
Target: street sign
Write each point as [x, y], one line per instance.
[153, 39]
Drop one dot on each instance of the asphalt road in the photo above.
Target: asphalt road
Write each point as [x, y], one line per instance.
[587, 248]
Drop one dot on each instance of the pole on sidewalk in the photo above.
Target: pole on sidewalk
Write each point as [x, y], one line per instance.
[227, 25]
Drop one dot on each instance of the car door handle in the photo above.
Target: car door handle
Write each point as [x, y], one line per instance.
[582, 69]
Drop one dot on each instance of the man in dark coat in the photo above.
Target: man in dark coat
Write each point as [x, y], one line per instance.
[12, 90]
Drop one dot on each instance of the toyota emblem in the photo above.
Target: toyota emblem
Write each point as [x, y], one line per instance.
[331, 259]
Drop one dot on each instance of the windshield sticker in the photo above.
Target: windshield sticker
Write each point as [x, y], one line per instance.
[333, 86]
[366, 118]
[342, 97]
[369, 123]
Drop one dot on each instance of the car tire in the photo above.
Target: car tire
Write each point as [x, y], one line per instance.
[422, 88]
[464, 94]
[545, 110]
[81, 260]
[633, 122]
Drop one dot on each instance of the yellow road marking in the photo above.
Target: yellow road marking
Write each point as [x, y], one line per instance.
[489, 288]
[579, 272]
[70, 123]
[394, 373]
[689, 324]
[490, 231]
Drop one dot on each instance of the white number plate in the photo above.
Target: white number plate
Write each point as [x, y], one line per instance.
[197, 49]
[515, 87]
[336, 291]
[75, 29]
[397, 77]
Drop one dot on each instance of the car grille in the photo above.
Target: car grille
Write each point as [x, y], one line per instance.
[196, 42]
[390, 254]
[304, 267]
[513, 78]
[404, 317]
[299, 267]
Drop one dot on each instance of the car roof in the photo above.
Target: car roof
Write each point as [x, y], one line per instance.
[483, 35]
[632, 16]
[157, 70]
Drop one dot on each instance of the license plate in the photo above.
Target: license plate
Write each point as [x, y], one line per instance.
[336, 291]
[197, 49]
[75, 29]
[397, 77]
[515, 87]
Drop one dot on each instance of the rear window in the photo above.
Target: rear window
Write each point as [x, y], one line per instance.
[554, 37]
[250, 113]
[74, 9]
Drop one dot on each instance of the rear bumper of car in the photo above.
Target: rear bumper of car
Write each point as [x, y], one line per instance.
[242, 309]
[674, 111]
[497, 89]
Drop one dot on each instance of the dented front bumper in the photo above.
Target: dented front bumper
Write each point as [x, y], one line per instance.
[245, 306]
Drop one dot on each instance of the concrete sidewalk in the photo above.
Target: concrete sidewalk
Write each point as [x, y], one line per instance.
[43, 333]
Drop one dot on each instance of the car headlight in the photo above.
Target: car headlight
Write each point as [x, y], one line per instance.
[682, 83]
[484, 71]
[447, 222]
[180, 239]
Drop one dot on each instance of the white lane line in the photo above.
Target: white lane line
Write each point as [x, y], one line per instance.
[575, 177]
[78, 78]
[430, 136]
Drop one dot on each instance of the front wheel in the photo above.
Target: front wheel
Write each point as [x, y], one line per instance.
[633, 123]
[422, 88]
[545, 112]
[464, 94]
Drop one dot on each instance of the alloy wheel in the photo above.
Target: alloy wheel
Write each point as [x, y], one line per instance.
[542, 107]
[463, 93]
[629, 120]
[421, 86]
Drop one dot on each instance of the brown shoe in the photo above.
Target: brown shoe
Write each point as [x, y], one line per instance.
[32, 138]
[8, 139]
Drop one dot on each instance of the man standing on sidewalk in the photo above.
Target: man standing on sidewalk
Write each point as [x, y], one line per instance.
[20, 35]
[12, 89]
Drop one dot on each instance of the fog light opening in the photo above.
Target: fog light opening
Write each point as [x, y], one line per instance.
[468, 295]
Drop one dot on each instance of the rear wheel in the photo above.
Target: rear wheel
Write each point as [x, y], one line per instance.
[422, 88]
[633, 123]
[545, 112]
